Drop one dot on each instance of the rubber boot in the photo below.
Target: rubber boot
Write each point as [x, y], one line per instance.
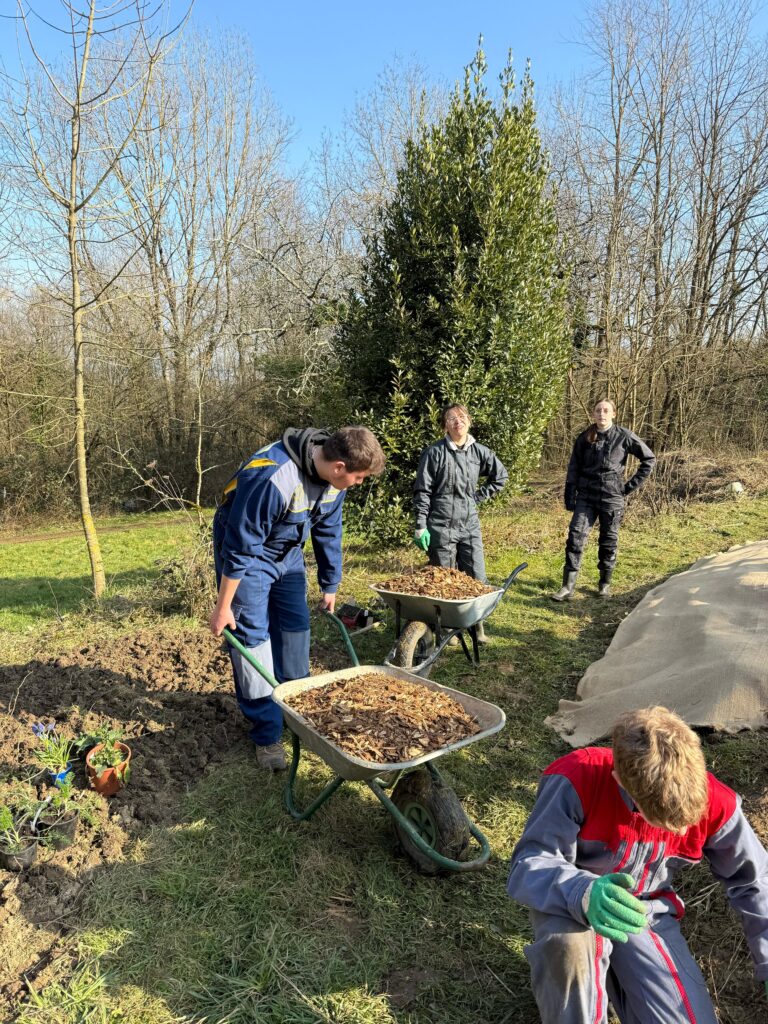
[604, 588]
[272, 757]
[482, 636]
[565, 593]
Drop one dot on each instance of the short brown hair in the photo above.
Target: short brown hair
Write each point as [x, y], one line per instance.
[449, 408]
[357, 448]
[661, 765]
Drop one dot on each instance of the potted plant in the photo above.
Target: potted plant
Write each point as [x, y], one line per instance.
[108, 761]
[56, 821]
[54, 752]
[18, 847]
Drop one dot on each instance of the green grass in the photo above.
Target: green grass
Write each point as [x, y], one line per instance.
[47, 579]
[238, 915]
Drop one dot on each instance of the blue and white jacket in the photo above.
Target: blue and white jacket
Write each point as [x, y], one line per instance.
[270, 508]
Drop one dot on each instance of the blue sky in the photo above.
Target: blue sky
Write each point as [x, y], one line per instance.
[318, 57]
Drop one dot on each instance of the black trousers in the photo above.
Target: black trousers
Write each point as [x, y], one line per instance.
[584, 517]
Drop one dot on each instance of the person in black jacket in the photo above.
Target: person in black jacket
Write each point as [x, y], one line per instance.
[595, 490]
[447, 492]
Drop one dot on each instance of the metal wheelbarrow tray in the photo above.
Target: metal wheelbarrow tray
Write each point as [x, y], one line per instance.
[354, 769]
[422, 820]
[451, 614]
[444, 616]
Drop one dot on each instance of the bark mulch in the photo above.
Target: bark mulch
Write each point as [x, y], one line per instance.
[436, 581]
[383, 719]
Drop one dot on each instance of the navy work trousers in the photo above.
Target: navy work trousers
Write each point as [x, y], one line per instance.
[270, 609]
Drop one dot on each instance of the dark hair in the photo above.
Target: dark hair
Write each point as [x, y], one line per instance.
[447, 408]
[357, 448]
[592, 432]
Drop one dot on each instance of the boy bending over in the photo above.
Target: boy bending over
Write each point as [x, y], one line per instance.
[597, 862]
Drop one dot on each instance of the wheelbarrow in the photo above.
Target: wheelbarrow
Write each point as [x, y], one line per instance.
[429, 821]
[431, 622]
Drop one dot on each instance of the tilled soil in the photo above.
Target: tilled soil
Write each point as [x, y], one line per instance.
[173, 697]
[436, 581]
[383, 719]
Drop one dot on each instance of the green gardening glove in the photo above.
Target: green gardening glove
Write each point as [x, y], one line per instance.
[612, 911]
[766, 987]
[421, 539]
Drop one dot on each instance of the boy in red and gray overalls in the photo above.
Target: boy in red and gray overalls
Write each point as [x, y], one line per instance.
[596, 864]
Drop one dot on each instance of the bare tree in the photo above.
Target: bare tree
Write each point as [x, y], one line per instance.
[200, 193]
[662, 166]
[64, 179]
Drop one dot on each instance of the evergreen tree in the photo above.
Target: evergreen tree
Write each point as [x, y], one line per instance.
[463, 291]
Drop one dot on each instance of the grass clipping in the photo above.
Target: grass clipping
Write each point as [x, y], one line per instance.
[383, 719]
[436, 581]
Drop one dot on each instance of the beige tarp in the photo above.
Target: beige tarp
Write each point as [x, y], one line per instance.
[697, 644]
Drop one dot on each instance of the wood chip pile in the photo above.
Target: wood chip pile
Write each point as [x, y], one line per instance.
[435, 581]
[379, 718]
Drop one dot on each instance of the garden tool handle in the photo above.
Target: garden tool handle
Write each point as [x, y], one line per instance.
[263, 672]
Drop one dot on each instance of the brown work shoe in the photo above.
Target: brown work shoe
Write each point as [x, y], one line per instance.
[271, 757]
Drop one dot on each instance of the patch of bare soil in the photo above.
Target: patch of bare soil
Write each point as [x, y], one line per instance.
[173, 697]
[436, 581]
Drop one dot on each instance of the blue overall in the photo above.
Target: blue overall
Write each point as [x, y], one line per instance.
[271, 508]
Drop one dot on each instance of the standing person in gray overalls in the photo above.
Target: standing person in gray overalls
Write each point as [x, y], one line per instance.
[447, 492]
[595, 490]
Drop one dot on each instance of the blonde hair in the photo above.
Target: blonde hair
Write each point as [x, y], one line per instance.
[661, 765]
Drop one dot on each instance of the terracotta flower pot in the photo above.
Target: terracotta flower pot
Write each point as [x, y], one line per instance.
[109, 781]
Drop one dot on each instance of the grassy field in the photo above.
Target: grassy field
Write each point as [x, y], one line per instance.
[236, 915]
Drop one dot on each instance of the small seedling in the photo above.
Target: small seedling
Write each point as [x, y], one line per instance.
[13, 837]
[110, 755]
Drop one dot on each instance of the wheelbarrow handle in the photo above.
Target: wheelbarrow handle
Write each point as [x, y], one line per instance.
[263, 672]
[345, 637]
[505, 587]
[513, 576]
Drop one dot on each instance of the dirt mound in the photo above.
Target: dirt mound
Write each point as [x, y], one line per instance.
[172, 695]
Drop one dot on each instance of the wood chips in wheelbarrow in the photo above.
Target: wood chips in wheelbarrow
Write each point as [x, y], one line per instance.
[380, 718]
[436, 581]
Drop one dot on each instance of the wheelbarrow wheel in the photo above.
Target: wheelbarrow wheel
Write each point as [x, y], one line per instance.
[435, 813]
[414, 643]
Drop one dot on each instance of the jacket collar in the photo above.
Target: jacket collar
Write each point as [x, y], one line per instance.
[454, 447]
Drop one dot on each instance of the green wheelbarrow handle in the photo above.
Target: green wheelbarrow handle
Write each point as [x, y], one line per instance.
[265, 673]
